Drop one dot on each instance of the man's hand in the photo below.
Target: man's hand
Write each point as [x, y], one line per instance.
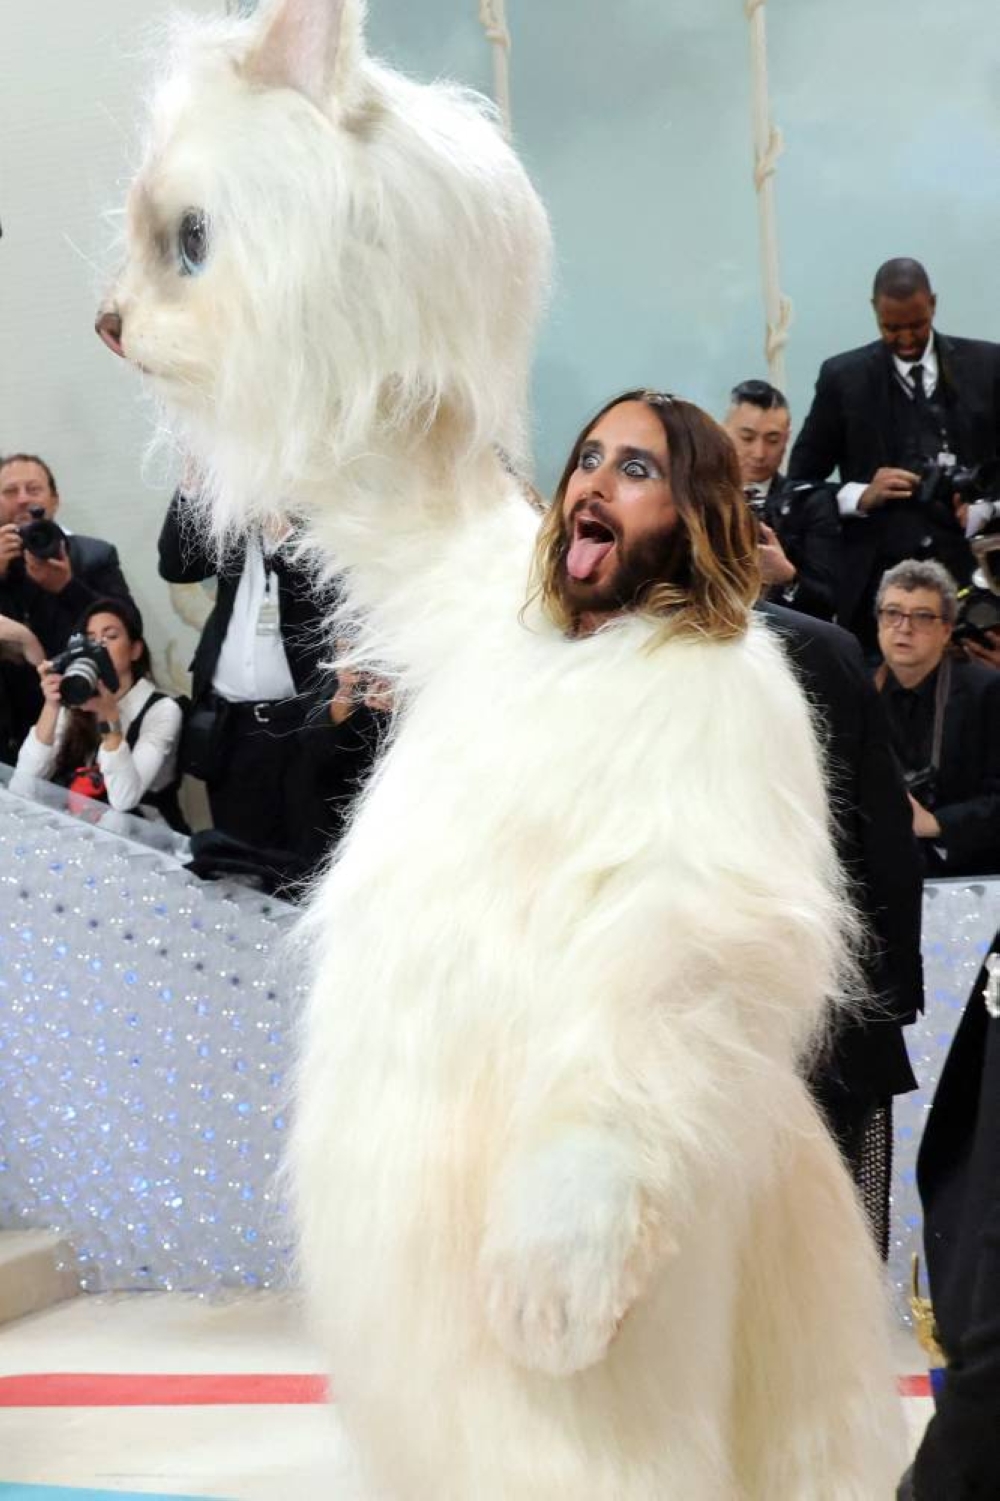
[775, 567]
[961, 509]
[344, 702]
[925, 825]
[354, 688]
[886, 485]
[10, 547]
[50, 574]
[988, 655]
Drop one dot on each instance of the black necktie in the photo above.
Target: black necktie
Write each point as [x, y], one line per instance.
[919, 394]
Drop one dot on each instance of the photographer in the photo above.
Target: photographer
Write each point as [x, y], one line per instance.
[977, 633]
[799, 525]
[48, 577]
[944, 719]
[254, 674]
[119, 744]
[893, 417]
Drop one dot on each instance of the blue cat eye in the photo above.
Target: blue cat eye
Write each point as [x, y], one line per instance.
[192, 242]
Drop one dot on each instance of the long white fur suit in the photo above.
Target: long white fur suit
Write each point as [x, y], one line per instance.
[570, 1228]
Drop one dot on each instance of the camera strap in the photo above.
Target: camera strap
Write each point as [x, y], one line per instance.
[941, 690]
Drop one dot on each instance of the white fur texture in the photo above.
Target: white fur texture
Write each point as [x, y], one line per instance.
[570, 1227]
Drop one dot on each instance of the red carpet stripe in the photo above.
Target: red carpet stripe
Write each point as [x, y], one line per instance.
[81, 1390]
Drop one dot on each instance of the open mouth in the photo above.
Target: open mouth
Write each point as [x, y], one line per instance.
[591, 542]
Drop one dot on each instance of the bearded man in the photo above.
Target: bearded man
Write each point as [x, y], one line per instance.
[569, 1138]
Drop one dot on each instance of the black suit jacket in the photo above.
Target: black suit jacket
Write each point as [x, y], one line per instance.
[958, 1172]
[850, 429]
[874, 834]
[969, 812]
[186, 558]
[96, 574]
[807, 524]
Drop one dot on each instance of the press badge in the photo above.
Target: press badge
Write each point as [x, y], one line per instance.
[269, 618]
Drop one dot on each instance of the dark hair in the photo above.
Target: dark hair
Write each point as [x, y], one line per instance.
[759, 393]
[31, 458]
[128, 613]
[921, 573]
[712, 572]
[900, 278]
[80, 740]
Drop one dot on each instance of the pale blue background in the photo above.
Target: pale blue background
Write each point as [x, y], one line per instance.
[634, 119]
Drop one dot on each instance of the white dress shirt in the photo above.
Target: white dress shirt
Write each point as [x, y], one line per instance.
[252, 665]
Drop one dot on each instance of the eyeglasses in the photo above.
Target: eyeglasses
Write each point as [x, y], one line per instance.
[893, 617]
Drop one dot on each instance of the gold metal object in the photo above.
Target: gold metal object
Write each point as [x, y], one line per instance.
[923, 1318]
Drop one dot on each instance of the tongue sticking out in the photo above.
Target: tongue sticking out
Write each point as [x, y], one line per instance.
[585, 553]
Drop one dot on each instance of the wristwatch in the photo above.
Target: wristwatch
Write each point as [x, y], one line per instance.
[109, 727]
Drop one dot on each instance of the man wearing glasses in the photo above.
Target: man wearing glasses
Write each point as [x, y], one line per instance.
[944, 719]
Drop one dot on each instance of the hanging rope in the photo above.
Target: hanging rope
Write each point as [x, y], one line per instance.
[768, 146]
[493, 15]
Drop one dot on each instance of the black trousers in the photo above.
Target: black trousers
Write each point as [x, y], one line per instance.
[256, 795]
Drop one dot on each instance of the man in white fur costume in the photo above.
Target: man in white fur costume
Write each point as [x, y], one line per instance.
[569, 1225]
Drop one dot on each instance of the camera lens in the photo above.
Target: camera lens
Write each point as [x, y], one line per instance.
[79, 682]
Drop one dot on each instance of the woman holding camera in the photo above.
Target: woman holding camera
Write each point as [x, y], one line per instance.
[117, 744]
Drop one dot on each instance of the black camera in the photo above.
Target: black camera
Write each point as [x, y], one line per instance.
[923, 785]
[40, 536]
[978, 614]
[83, 667]
[941, 482]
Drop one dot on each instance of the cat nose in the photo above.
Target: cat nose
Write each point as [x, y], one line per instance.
[109, 328]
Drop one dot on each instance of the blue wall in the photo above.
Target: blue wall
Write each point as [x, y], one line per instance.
[634, 121]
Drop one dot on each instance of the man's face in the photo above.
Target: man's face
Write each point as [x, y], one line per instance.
[760, 438]
[905, 323]
[619, 513]
[912, 635]
[22, 486]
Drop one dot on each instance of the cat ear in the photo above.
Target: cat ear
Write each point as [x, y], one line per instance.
[310, 45]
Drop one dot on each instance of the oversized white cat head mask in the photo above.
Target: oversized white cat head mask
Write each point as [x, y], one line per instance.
[323, 258]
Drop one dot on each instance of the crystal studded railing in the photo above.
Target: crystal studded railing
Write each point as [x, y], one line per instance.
[145, 1039]
[144, 1044]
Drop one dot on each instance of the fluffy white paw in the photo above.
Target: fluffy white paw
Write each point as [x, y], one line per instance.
[566, 1254]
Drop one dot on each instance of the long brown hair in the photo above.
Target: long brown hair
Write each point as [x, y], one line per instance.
[712, 570]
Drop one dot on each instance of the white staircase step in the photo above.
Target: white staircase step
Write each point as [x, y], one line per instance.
[37, 1269]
